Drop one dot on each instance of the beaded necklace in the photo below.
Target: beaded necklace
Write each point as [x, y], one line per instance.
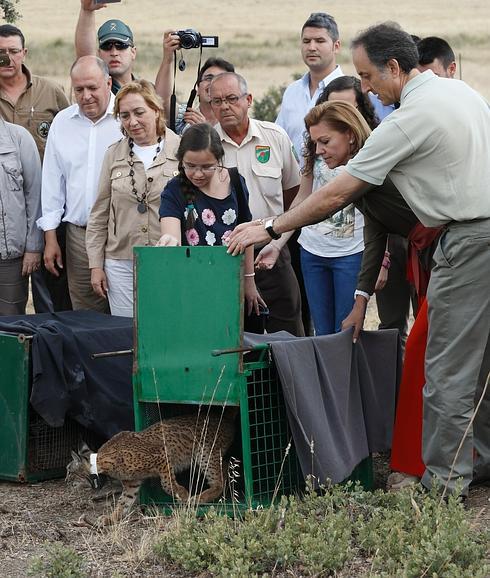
[142, 201]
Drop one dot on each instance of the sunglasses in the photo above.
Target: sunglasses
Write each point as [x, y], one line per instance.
[110, 44]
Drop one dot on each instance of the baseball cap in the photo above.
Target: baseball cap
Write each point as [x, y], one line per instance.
[115, 30]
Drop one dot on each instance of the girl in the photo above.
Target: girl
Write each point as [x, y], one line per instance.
[205, 202]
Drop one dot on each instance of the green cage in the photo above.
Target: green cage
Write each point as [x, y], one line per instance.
[30, 449]
[188, 351]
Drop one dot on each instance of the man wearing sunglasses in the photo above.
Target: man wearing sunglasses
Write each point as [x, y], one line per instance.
[115, 43]
[32, 102]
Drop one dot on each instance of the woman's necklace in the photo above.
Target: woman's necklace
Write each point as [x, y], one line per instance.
[142, 202]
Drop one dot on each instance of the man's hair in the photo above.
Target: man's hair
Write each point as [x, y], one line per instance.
[386, 41]
[98, 61]
[433, 47]
[340, 116]
[145, 89]
[7, 30]
[323, 20]
[218, 63]
[242, 83]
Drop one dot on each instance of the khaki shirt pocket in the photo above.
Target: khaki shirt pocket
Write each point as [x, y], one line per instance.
[121, 180]
[268, 179]
[38, 124]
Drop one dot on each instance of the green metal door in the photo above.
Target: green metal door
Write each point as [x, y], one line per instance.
[189, 302]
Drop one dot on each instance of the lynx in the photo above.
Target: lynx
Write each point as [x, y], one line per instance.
[162, 450]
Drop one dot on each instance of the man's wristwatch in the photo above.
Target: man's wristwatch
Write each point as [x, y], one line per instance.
[268, 226]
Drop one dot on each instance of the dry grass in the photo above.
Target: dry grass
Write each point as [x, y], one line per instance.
[259, 37]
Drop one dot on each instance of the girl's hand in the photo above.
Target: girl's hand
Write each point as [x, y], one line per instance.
[167, 241]
[252, 296]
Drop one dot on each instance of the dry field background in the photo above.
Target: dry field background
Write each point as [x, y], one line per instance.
[260, 37]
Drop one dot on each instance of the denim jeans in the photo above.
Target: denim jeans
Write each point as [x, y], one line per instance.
[330, 284]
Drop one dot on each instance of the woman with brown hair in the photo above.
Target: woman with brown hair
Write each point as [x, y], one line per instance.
[125, 214]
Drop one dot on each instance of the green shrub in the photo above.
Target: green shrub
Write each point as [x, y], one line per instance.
[59, 561]
[10, 14]
[267, 107]
[407, 534]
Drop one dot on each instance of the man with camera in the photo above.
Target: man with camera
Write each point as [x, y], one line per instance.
[184, 114]
[115, 43]
[263, 154]
[31, 102]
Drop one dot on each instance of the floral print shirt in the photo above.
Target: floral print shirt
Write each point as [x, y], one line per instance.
[215, 219]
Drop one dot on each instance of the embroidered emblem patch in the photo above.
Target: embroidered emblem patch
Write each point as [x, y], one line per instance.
[43, 129]
[262, 154]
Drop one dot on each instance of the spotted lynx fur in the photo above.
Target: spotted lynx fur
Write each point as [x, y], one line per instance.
[162, 450]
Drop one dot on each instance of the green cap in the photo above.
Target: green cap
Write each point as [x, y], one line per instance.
[115, 30]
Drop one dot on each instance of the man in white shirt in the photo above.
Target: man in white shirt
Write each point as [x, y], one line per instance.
[319, 46]
[76, 145]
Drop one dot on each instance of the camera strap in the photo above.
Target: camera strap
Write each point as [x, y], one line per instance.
[193, 93]
[173, 99]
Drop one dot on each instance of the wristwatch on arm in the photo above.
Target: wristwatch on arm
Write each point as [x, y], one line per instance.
[269, 227]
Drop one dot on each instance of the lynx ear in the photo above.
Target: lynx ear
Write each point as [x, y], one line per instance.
[84, 451]
[75, 456]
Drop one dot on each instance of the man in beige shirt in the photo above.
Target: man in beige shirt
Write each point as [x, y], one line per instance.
[264, 156]
[32, 102]
[434, 148]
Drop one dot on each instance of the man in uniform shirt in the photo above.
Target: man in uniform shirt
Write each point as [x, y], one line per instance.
[77, 143]
[438, 162]
[32, 102]
[263, 154]
[115, 43]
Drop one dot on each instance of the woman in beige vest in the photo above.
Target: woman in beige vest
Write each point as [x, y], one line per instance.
[134, 173]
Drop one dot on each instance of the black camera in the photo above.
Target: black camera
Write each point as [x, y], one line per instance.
[4, 59]
[190, 38]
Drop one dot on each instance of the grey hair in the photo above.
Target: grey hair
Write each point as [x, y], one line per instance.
[386, 41]
[98, 61]
[242, 83]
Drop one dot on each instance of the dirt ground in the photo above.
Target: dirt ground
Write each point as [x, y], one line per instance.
[32, 515]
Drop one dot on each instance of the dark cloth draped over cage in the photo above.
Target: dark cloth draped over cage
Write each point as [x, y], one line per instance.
[340, 397]
[66, 381]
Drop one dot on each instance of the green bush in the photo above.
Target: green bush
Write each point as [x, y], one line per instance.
[10, 14]
[267, 107]
[406, 534]
[59, 561]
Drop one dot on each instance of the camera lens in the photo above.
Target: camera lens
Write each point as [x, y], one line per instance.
[189, 39]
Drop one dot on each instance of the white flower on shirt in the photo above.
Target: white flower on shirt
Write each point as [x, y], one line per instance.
[229, 216]
[210, 238]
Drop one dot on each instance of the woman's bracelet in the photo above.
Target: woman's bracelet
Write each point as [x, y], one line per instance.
[249, 274]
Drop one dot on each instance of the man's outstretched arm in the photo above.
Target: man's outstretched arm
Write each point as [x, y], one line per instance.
[325, 201]
[85, 44]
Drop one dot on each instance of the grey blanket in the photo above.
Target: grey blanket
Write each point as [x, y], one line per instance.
[340, 396]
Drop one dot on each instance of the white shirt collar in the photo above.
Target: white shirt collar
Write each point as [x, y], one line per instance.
[109, 110]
